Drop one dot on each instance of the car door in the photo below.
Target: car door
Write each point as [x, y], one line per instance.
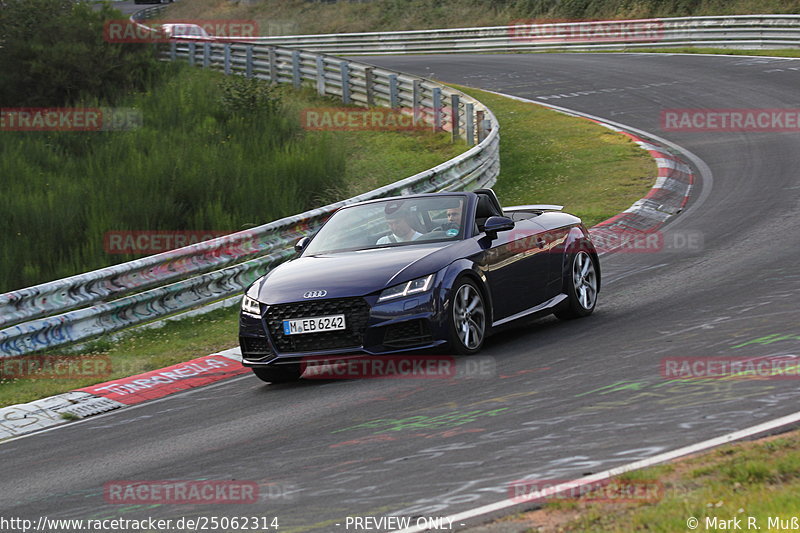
[517, 268]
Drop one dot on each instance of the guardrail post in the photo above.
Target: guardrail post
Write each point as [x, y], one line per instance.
[248, 62]
[296, 79]
[469, 123]
[481, 126]
[227, 58]
[437, 109]
[273, 65]
[393, 96]
[173, 51]
[416, 98]
[345, 68]
[369, 78]
[191, 53]
[456, 129]
[206, 55]
[320, 75]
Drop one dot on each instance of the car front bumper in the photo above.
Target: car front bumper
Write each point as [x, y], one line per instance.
[404, 324]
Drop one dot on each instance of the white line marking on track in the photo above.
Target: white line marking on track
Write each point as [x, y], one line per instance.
[664, 457]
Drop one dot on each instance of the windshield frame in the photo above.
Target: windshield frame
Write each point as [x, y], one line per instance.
[463, 228]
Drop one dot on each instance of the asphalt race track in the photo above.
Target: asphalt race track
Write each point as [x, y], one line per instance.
[565, 399]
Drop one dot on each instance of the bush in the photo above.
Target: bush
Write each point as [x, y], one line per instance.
[54, 54]
[192, 165]
[249, 95]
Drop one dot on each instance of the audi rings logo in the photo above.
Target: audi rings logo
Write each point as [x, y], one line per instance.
[314, 294]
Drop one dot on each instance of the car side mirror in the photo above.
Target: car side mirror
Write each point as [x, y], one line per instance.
[494, 225]
[300, 245]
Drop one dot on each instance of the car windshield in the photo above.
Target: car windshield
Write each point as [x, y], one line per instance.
[390, 223]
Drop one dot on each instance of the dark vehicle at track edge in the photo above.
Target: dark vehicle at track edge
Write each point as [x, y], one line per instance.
[419, 272]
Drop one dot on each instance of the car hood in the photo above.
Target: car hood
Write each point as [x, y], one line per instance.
[346, 274]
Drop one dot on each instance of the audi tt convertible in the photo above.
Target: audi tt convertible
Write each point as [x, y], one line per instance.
[422, 272]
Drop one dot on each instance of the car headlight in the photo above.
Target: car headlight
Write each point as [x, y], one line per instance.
[251, 307]
[415, 286]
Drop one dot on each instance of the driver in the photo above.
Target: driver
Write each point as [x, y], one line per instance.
[400, 228]
[454, 217]
[453, 222]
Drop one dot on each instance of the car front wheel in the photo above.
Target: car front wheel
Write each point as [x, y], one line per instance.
[580, 286]
[282, 374]
[467, 318]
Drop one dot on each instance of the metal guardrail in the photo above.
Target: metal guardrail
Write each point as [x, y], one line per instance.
[120, 296]
[740, 31]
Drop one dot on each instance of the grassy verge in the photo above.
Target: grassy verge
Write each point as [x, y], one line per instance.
[212, 154]
[208, 154]
[137, 352]
[277, 17]
[757, 481]
[546, 157]
[783, 52]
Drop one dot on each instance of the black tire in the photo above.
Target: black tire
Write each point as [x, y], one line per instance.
[581, 287]
[467, 317]
[282, 374]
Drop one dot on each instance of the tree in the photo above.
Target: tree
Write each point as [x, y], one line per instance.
[53, 52]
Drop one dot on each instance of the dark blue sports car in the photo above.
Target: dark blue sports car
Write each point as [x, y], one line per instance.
[429, 271]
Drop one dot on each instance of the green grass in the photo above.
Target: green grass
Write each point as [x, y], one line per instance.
[757, 479]
[139, 351]
[551, 158]
[301, 17]
[210, 156]
[546, 157]
[783, 52]
[196, 163]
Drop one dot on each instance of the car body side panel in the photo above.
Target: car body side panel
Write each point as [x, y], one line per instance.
[516, 268]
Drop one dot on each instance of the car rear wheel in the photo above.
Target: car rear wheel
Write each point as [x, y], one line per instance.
[282, 374]
[467, 318]
[580, 286]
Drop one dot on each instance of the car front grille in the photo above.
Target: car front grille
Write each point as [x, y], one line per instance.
[407, 334]
[356, 315]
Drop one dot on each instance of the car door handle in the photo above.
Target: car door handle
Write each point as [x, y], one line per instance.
[540, 242]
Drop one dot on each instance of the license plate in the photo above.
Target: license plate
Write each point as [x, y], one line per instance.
[315, 324]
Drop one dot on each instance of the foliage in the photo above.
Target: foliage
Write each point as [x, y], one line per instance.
[248, 95]
[54, 53]
[194, 164]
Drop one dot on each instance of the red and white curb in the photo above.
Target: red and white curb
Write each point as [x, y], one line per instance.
[24, 418]
[667, 197]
